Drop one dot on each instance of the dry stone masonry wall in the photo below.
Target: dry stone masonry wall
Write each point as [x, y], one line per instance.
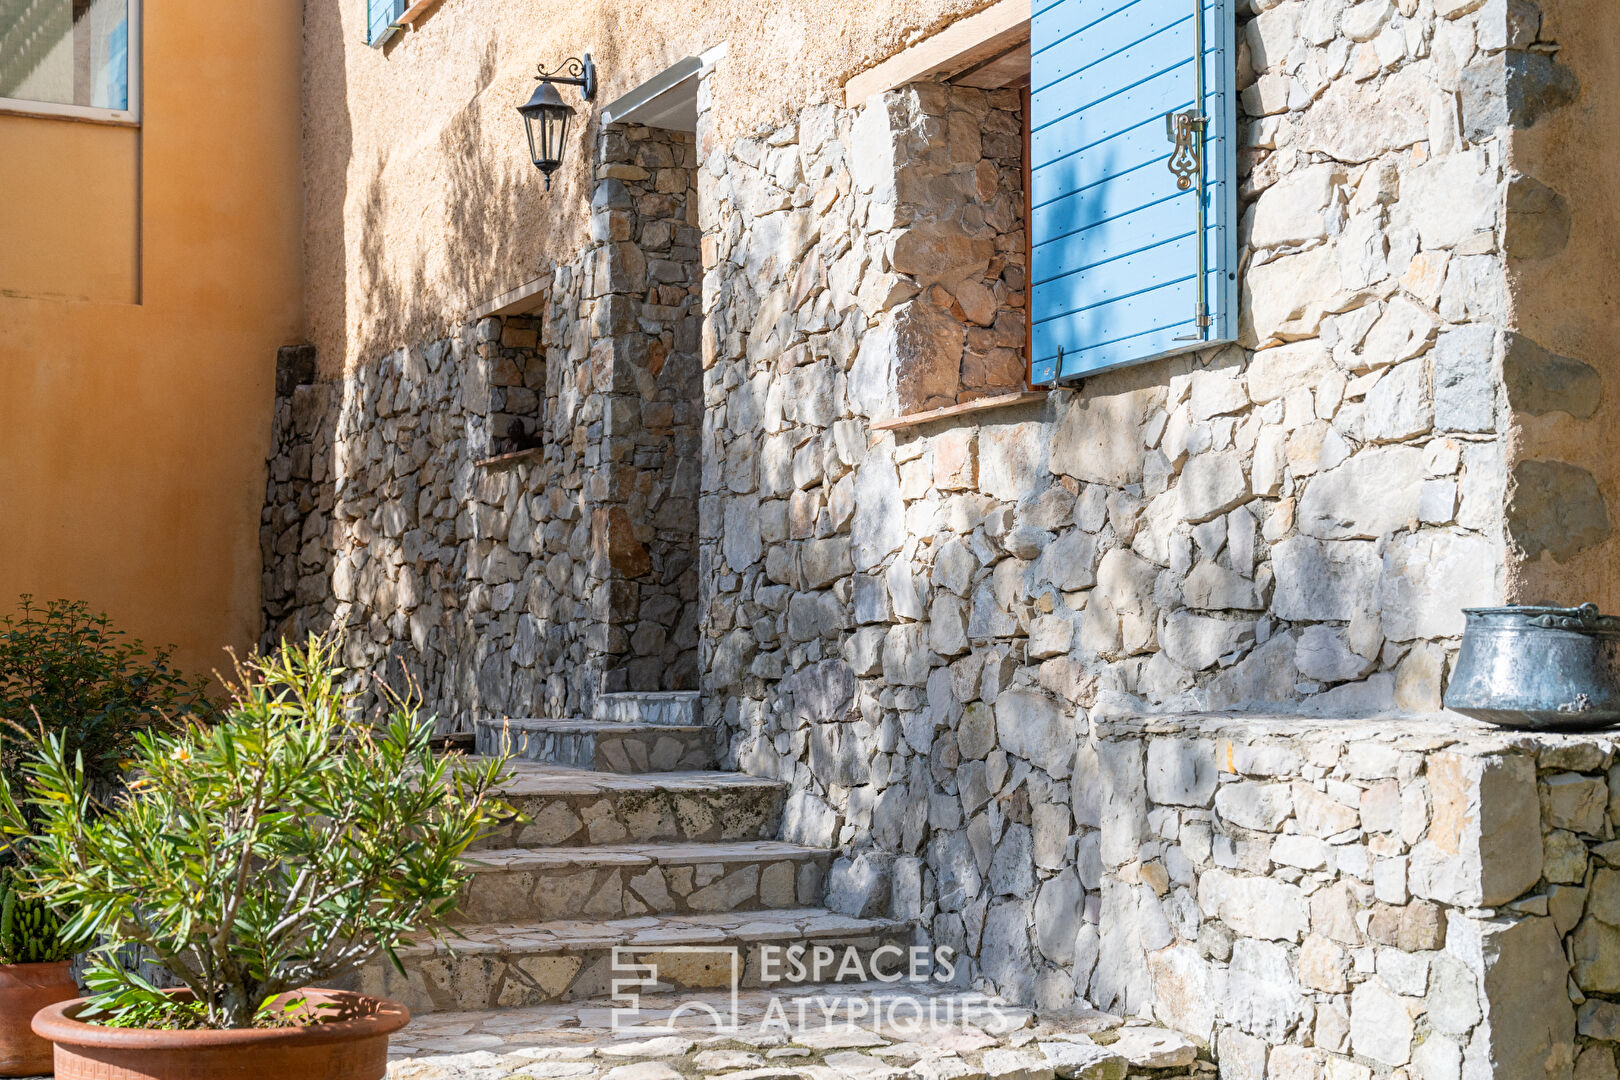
[916, 628]
[529, 583]
[945, 637]
[1427, 899]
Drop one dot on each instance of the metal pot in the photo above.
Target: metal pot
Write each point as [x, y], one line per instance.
[1538, 667]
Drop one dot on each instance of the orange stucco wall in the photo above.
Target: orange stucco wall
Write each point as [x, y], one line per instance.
[134, 426]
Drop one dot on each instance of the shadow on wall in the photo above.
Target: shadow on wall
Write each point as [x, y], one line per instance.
[471, 229]
[480, 223]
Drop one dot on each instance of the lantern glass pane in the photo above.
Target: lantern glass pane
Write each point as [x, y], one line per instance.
[556, 133]
[530, 123]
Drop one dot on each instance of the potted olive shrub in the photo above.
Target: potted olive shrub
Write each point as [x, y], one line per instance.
[252, 861]
[34, 963]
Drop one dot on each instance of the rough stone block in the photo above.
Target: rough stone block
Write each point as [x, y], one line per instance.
[1464, 381]
[1429, 577]
[1210, 485]
[860, 885]
[1181, 772]
[1262, 995]
[1555, 507]
[1099, 439]
[1324, 580]
[1336, 505]
[1262, 807]
[1253, 906]
[1529, 1022]
[1032, 726]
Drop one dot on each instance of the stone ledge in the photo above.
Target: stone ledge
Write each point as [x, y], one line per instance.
[984, 404]
[522, 300]
[1425, 731]
[512, 458]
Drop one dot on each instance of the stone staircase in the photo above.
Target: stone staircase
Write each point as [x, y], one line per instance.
[633, 843]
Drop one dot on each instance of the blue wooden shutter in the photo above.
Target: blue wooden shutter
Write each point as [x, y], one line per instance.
[1114, 244]
[380, 19]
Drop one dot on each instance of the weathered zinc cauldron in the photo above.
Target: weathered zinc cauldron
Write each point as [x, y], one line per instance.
[1538, 667]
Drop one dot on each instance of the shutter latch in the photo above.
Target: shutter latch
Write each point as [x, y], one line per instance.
[1185, 129]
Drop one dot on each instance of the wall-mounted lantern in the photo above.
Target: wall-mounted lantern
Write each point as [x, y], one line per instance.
[546, 114]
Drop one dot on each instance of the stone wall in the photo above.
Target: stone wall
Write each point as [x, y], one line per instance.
[1343, 899]
[914, 626]
[507, 515]
[929, 631]
[644, 359]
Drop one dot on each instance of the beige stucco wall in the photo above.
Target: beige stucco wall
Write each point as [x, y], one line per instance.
[133, 435]
[1569, 302]
[422, 200]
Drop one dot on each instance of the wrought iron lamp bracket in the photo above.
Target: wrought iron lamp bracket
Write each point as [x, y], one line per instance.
[572, 72]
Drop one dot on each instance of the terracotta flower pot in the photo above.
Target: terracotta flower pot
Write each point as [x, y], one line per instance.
[24, 990]
[353, 1046]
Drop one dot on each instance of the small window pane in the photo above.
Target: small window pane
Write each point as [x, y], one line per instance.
[65, 52]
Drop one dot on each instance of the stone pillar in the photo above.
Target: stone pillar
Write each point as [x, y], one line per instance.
[641, 494]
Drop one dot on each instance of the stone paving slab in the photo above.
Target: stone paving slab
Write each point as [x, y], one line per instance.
[542, 778]
[626, 880]
[566, 806]
[696, 928]
[528, 964]
[608, 746]
[674, 854]
[768, 1041]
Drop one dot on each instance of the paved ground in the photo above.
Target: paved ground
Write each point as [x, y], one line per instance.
[804, 1035]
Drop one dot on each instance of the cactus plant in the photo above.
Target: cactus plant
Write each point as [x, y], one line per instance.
[30, 933]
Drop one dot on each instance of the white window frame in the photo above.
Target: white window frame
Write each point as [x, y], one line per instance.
[130, 116]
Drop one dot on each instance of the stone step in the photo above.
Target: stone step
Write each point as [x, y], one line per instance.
[525, 965]
[676, 707]
[617, 881]
[564, 806]
[602, 745]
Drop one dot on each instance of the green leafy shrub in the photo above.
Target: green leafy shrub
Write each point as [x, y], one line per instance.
[66, 670]
[284, 846]
[30, 932]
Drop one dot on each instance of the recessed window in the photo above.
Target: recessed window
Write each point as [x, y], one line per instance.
[70, 57]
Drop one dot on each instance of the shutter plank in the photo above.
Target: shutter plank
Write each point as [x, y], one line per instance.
[380, 15]
[1142, 32]
[1114, 238]
[1063, 20]
[1114, 243]
[1143, 271]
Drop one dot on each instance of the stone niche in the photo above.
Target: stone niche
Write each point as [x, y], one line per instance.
[646, 282]
[953, 325]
